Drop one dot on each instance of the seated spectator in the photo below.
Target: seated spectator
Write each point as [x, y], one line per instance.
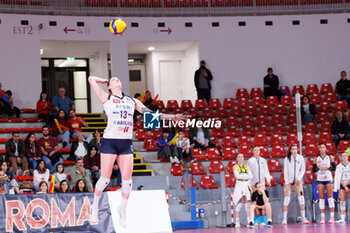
[43, 187]
[260, 205]
[96, 141]
[4, 185]
[199, 137]
[44, 109]
[76, 123]
[78, 149]
[117, 174]
[149, 102]
[167, 150]
[80, 187]
[340, 128]
[92, 162]
[59, 175]
[271, 83]
[15, 153]
[183, 146]
[2, 104]
[49, 150]
[9, 178]
[9, 106]
[343, 88]
[33, 151]
[41, 173]
[79, 172]
[65, 127]
[308, 110]
[63, 187]
[62, 102]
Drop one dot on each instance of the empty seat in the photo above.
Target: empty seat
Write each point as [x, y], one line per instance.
[242, 92]
[325, 106]
[230, 166]
[248, 130]
[229, 103]
[264, 128]
[176, 169]
[230, 181]
[197, 168]
[311, 149]
[325, 137]
[316, 98]
[228, 141]
[340, 105]
[178, 111]
[191, 181]
[311, 127]
[214, 103]
[232, 120]
[172, 104]
[277, 119]
[16, 120]
[309, 163]
[207, 113]
[331, 148]
[213, 153]
[343, 145]
[229, 153]
[236, 111]
[280, 109]
[244, 140]
[161, 104]
[272, 101]
[233, 130]
[276, 139]
[201, 103]
[326, 87]
[218, 132]
[280, 128]
[257, 101]
[264, 152]
[323, 116]
[312, 89]
[247, 120]
[198, 154]
[31, 119]
[216, 141]
[326, 126]
[274, 165]
[262, 119]
[156, 133]
[286, 88]
[193, 112]
[141, 134]
[298, 89]
[286, 100]
[28, 110]
[309, 138]
[251, 111]
[246, 150]
[291, 118]
[260, 139]
[309, 177]
[243, 102]
[150, 145]
[186, 104]
[255, 92]
[221, 112]
[278, 151]
[216, 166]
[208, 182]
[330, 97]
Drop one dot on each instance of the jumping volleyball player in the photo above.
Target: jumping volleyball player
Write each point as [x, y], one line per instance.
[117, 140]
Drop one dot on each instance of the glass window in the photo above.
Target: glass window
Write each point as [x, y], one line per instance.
[70, 63]
[44, 63]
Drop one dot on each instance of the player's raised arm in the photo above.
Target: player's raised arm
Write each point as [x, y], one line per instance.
[101, 94]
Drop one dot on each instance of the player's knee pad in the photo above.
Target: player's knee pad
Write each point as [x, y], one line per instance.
[331, 202]
[286, 201]
[126, 186]
[102, 183]
[301, 200]
[343, 205]
[247, 207]
[321, 204]
[239, 207]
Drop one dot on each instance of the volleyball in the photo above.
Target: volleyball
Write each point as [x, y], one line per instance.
[117, 26]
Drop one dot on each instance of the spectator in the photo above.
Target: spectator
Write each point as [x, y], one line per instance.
[78, 149]
[44, 109]
[260, 205]
[149, 102]
[308, 110]
[116, 173]
[4, 185]
[166, 149]
[199, 137]
[41, 173]
[80, 187]
[183, 146]
[15, 151]
[62, 102]
[340, 128]
[64, 187]
[96, 141]
[343, 88]
[33, 151]
[92, 162]
[49, 149]
[9, 178]
[137, 115]
[43, 187]
[9, 106]
[65, 127]
[202, 78]
[76, 123]
[259, 169]
[59, 175]
[79, 172]
[271, 83]
[2, 103]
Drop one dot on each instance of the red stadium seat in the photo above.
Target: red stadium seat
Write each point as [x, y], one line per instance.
[201, 103]
[326, 88]
[229, 153]
[292, 108]
[311, 149]
[311, 127]
[142, 3]
[262, 119]
[208, 182]
[216, 166]
[242, 92]
[292, 139]
[11, 130]
[28, 110]
[229, 103]
[257, 101]
[244, 140]
[230, 166]
[326, 126]
[278, 151]
[178, 111]
[323, 116]
[247, 120]
[232, 120]
[27, 130]
[233, 130]
[216, 141]
[251, 111]
[186, 104]
[325, 106]
[182, 3]
[280, 128]
[214, 103]
[343, 146]
[246, 150]
[331, 148]
[218, 132]
[4, 119]
[248, 130]
[2, 151]
[169, 3]
[198, 154]
[141, 134]
[260, 139]
[298, 89]
[150, 145]
[308, 138]
[243, 102]
[236, 111]
[207, 113]
[337, 161]
[282, 179]
[16, 119]
[221, 112]
[291, 118]
[272, 101]
[255, 92]
[139, 123]
[176, 169]
[193, 112]
[230, 181]
[228, 141]
[276, 139]
[340, 105]
[31, 119]
[277, 119]
[264, 128]
[325, 137]
[161, 104]
[286, 88]
[156, 133]
[274, 165]
[65, 150]
[316, 98]
[156, 3]
[192, 182]
[264, 152]
[309, 163]
[280, 109]
[286, 100]
[309, 177]
[198, 3]
[197, 168]
[213, 154]
[68, 163]
[273, 180]
[312, 89]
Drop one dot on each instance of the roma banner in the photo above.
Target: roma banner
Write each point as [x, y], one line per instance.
[55, 212]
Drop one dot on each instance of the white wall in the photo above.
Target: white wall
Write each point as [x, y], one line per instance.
[237, 56]
[188, 66]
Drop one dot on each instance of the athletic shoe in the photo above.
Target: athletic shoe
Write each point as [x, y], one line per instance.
[237, 225]
[305, 221]
[340, 221]
[122, 217]
[331, 220]
[251, 225]
[323, 221]
[284, 222]
[269, 224]
[93, 215]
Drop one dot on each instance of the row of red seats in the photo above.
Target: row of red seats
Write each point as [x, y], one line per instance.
[27, 119]
[21, 2]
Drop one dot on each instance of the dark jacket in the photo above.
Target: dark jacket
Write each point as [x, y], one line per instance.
[340, 127]
[11, 148]
[73, 148]
[33, 151]
[192, 133]
[94, 143]
[342, 87]
[90, 162]
[197, 75]
[273, 82]
[312, 110]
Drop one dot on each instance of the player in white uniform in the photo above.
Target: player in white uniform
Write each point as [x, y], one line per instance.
[342, 183]
[242, 190]
[259, 169]
[117, 140]
[323, 165]
[294, 170]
